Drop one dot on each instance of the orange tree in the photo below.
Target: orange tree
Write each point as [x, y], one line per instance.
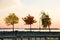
[11, 19]
[29, 20]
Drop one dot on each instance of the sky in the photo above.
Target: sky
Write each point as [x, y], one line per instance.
[33, 7]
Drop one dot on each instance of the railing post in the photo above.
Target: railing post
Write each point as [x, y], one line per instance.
[45, 38]
[59, 38]
[1, 38]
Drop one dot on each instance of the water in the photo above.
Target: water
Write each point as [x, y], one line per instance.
[22, 29]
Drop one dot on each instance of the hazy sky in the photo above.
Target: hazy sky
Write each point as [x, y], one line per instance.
[34, 7]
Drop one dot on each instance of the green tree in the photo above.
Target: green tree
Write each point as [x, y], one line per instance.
[11, 19]
[29, 20]
[46, 20]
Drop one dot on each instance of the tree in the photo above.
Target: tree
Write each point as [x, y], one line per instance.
[29, 20]
[46, 20]
[11, 19]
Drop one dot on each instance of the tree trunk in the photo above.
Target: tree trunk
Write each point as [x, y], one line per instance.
[30, 27]
[49, 28]
[44, 27]
[39, 25]
[13, 27]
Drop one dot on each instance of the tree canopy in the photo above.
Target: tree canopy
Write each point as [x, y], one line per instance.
[11, 19]
[29, 19]
[46, 20]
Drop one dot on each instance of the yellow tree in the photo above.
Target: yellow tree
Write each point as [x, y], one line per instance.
[11, 19]
[46, 20]
[29, 20]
